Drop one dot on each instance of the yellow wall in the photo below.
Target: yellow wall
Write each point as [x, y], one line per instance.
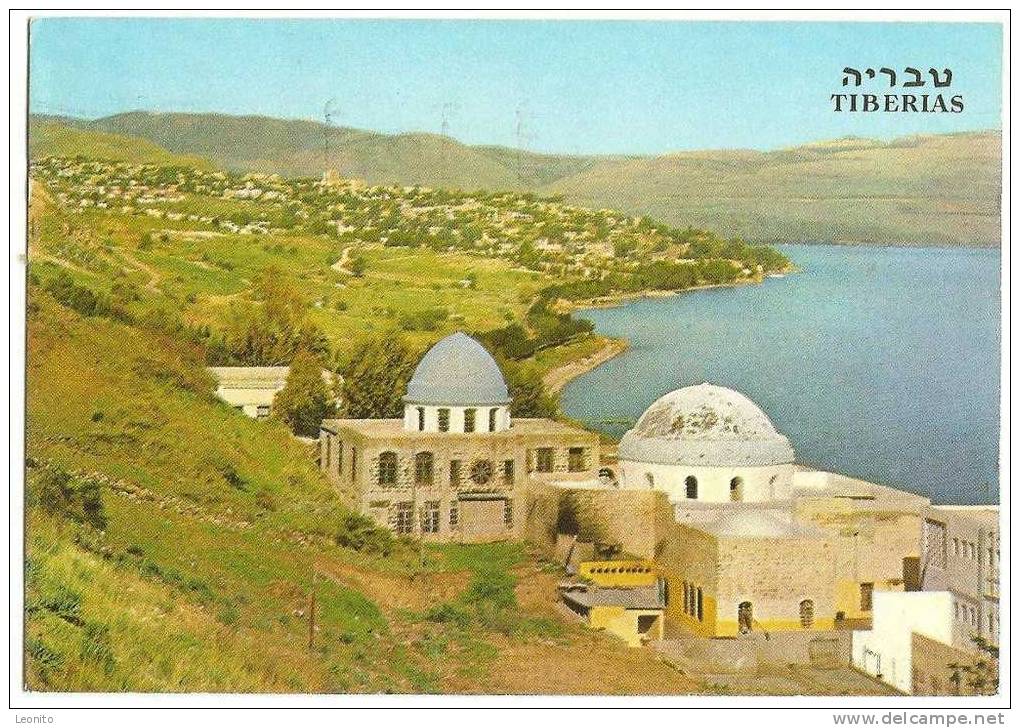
[624, 622]
[618, 573]
[848, 596]
[706, 627]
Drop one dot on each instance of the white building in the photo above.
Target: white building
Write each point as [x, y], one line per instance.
[886, 651]
[253, 389]
[707, 443]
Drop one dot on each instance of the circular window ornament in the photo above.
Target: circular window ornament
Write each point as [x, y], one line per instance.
[481, 472]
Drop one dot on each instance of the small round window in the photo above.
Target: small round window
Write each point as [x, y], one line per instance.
[481, 472]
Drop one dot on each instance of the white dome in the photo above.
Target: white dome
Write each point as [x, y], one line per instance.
[457, 371]
[705, 425]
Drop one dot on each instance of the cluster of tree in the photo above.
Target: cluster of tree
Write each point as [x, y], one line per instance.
[269, 331]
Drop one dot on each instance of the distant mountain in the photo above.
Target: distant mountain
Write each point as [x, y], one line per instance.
[934, 190]
[62, 137]
[939, 189]
[296, 147]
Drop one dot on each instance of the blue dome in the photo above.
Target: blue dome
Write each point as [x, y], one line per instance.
[457, 371]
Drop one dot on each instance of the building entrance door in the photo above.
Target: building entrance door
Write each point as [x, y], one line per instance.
[482, 518]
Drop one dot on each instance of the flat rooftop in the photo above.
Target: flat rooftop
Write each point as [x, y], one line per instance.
[519, 426]
[750, 521]
[646, 597]
[809, 483]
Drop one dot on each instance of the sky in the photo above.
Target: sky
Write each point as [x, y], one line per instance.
[571, 87]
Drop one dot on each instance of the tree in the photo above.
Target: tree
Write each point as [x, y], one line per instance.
[269, 331]
[306, 399]
[528, 395]
[375, 378]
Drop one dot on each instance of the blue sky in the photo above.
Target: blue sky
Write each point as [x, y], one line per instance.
[594, 87]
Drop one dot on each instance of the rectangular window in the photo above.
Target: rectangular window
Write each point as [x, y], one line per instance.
[469, 420]
[508, 513]
[544, 459]
[867, 589]
[340, 457]
[403, 519]
[492, 420]
[444, 419]
[701, 613]
[354, 464]
[262, 412]
[454, 515]
[956, 547]
[430, 517]
[687, 600]
[575, 459]
[508, 472]
[455, 472]
[421, 419]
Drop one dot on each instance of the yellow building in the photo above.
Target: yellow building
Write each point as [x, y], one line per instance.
[625, 574]
[635, 614]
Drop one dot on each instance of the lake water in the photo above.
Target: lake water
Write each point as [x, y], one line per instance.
[881, 363]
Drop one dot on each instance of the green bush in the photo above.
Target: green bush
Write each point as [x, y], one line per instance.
[58, 492]
[446, 613]
[360, 533]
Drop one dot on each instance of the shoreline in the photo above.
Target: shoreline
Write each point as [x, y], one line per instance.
[557, 379]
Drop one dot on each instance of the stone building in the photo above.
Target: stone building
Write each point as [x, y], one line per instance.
[457, 466]
[756, 543]
[960, 554]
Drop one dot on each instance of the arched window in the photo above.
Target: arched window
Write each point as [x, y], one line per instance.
[691, 484]
[388, 468]
[423, 468]
[492, 420]
[650, 479]
[737, 489]
[807, 614]
[745, 617]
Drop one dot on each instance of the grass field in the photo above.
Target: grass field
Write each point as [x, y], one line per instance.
[219, 528]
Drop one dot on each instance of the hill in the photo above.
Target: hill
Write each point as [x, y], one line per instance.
[926, 190]
[56, 137]
[173, 545]
[297, 147]
[934, 190]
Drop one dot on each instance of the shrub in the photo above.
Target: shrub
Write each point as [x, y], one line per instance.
[59, 492]
[446, 613]
[360, 533]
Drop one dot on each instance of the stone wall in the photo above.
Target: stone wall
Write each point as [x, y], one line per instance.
[775, 576]
[355, 456]
[638, 522]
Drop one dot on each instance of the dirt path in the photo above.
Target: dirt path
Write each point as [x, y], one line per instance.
[341, 265]
[556, 379]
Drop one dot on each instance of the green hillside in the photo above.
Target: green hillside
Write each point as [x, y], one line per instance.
[55, 138]
[940, 189]
[174, 545]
